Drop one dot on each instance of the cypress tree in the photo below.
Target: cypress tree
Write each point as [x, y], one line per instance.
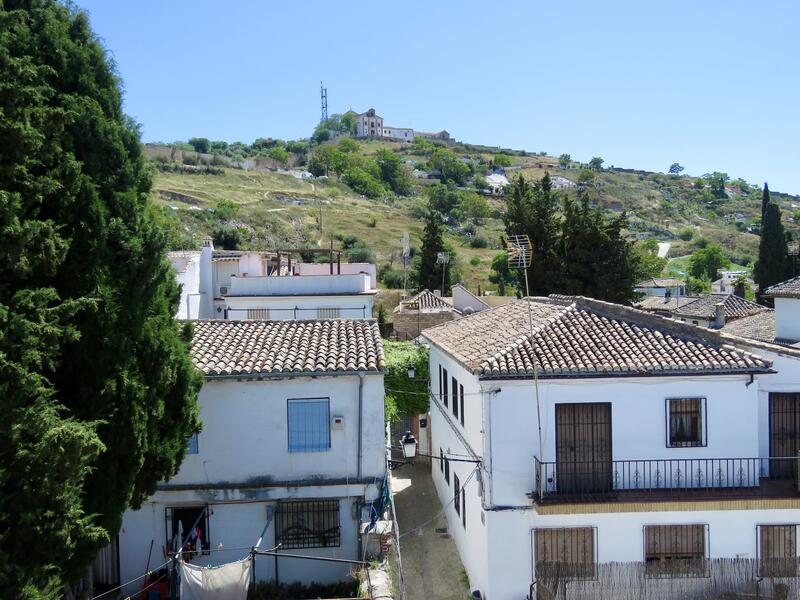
[764, 200]
[97, 389]
[773, 263]
[429, 272]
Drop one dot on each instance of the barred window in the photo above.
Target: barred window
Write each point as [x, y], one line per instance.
[564, 552]
[686, 422]
[328, 313]
[456, 494]
[455, 396]
[258, 314]
[461, 399]
[777, 550]
[445, 393]
[309, 424]
[675, 550]
[308, 524]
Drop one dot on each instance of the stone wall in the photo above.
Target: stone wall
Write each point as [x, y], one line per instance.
[408, 324]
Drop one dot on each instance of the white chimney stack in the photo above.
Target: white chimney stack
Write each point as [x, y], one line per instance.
[206, 280]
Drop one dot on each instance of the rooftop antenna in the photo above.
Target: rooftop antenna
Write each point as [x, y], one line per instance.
[519, 252]
[793, 249]
[442, 258]
[323, 93]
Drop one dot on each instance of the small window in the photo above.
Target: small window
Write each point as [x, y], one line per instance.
[188, 525]
[461, 398]
[675, 550]
[457, 494]
[192, 446]
[463, 508]
[686, 422]
[447, 471]
[564, 552]
[777, 550]
[441, 460]
[258, 314]
[445, 393]
[441, 386]
[309, 424]
[328, 313]
[455, 397]
[308, 524]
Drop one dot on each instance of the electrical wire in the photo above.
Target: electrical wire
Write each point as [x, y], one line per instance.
[444, 508]
[106, 593]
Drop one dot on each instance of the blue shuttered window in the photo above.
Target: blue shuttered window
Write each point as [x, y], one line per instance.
[309, 424]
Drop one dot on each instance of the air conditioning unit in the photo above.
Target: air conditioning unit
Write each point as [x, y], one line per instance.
[223, 290]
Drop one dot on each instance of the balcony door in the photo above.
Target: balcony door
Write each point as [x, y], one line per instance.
[784, 433]
[583, 447]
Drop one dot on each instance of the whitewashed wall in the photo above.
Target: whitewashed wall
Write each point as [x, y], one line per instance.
[282, 307]
[787, 318]
[188, 277]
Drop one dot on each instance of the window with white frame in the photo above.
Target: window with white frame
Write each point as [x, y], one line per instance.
[686, 422]
[675, 550]
[309, 424]
[564, 552]
[308, 524]
[328, 313]
[258, 314]
[777, 550]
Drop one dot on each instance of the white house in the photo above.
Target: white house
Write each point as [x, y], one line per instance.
[246, 284]
[641, 450]
[292, 438]
[664, 287]
[726, 283]
[466, 302]
[786, 296]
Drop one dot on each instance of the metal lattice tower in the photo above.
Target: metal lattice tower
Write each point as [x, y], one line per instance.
[323, 92]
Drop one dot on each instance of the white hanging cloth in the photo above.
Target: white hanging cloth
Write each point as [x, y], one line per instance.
[225, 582]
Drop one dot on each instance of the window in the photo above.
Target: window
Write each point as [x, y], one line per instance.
[461, 395]
[258, 314]
[675, 550]
[777, 550]
[463, 508]
[447, 471]
[328, 313]
[564, 552]
[308, 524]
[441, 460]
[456, 494]
[192, 447]
[686, 422]
[309, 424]
[455, 397]
[444, 389]
[441, 386]
[187, 525]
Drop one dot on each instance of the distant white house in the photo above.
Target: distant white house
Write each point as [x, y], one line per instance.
[661, 286]
[726, 283]
[497, 183]
[240, 284]
[292, 445]
[562, 183]
[642, 450]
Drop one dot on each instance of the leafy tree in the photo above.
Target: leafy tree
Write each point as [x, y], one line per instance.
[218, 147]
[707, 262]
[773, 262]
[226, 209]
[532, 209]
[347, 123]
[442, 199]
[474, 207]
[327, 159]
[348, 145]
[686, 234]
[393, 173]
[453, 170]
[363, 183]
[596, 164]
[356, 249]
[716, 182]
[564, 161]
[675, 169]
[501, 276]
[649, 263]
[297, 147]
[585, 177]
[227, 238]
[429, 272]
[97, 388]
[480, 182]
[405, 396]
[201, 145]
[502, 160]
[279, 154]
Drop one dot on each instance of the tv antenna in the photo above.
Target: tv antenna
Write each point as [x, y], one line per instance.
[323, 93]
[442, 258]
[519, 253]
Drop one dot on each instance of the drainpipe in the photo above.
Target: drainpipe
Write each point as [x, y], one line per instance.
[360, 417]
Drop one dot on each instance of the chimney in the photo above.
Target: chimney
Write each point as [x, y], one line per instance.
[719, 315]
[437, 293]
[206, 280]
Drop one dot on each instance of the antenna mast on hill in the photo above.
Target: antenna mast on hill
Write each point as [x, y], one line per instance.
[323, 93]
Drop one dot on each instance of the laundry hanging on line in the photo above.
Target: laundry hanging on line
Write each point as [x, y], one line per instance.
[224, 582]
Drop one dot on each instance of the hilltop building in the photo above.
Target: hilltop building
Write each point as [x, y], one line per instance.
[370, 125]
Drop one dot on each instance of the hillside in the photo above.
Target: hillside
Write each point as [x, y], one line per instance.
[273, 209]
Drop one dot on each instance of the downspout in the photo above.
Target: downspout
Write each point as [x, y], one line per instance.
[360, 417]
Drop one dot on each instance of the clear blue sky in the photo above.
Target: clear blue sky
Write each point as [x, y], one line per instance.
[711, 84]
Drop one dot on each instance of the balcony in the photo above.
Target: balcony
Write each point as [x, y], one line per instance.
[665, 479]
[301, 285]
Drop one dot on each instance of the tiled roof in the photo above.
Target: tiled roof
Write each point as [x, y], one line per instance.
[585, 338]
[785, 289]
[271, 347]
[663, 304]
[656, 282]
[760, 326]
[427, 300]
[704, 307]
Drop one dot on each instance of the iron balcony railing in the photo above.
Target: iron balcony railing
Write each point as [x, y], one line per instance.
[678, 478]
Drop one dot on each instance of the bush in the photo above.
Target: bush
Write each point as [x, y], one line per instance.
[362, 182]
[479, 241]
[391, 278]
[686, 234]
[474, 261]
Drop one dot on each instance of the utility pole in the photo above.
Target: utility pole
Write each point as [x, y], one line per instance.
[323, 93]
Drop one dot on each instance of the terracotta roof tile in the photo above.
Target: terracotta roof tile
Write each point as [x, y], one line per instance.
[586, 338]
[271, 347]
[427, 300]
[704, 307]
[785, 289]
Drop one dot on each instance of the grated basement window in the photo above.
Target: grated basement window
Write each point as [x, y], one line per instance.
[564, 552]
[675, 550]
[308, 524]
[777, 550]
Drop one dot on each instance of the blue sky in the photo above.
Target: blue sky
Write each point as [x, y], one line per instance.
[713, 85]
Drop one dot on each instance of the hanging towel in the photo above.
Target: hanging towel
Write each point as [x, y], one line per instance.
[225, 582]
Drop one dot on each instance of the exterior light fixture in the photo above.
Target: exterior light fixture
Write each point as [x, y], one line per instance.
[411, 372]
[409, 443]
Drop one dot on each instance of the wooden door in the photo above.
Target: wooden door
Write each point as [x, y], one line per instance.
[583, 447]
[784, 434]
